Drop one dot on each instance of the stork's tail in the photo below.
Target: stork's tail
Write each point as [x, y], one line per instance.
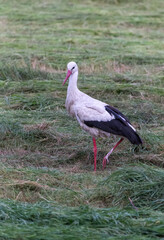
[133, 137]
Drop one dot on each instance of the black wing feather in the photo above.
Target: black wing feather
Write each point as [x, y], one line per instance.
[116, 113]
[118, 126]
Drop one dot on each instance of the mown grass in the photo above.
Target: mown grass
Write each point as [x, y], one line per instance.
[77, 223]
[48, 188]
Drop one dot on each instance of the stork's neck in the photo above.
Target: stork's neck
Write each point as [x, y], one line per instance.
[72, 85]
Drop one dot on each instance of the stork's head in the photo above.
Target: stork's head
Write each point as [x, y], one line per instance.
[71, 68]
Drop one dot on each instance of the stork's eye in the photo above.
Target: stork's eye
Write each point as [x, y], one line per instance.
[73, 67]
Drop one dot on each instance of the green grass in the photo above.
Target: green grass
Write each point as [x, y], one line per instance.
[49, 221]
[48, 188]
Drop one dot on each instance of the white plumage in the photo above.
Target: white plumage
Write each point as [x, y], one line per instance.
[94, 116]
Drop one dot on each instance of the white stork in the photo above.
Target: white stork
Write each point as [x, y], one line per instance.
[96, 117]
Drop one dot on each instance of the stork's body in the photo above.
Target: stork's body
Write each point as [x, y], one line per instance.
[96, 117]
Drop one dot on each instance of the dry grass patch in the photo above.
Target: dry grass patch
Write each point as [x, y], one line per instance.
[109, 66]
[37, 64]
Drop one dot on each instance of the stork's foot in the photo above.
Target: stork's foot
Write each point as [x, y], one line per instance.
[105, 161]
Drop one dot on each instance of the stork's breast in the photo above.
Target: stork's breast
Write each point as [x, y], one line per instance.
[70, 107]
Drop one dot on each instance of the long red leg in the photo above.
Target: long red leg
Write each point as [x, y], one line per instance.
[105, 160]
[95, 152]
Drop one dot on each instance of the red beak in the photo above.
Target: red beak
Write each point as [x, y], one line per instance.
[67, 76]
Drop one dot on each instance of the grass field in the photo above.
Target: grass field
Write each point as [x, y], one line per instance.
[48, 188]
